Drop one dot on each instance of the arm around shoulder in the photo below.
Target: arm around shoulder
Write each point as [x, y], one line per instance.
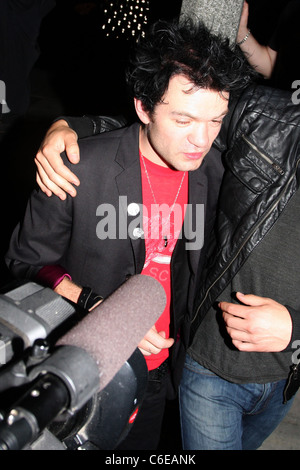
[53, 176]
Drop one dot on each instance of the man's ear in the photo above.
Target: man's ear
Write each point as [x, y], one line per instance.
[142, 114]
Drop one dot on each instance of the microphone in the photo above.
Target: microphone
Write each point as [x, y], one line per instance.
[112, 331]
[85, 359]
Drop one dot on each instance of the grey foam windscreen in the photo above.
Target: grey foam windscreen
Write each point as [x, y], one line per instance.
[220, 16]
[113, 330]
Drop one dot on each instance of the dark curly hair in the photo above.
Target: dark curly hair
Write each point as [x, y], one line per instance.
[186, 47]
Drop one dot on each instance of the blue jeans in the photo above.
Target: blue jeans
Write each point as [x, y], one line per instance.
[219, 415]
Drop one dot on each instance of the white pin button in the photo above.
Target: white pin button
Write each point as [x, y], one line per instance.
[138, 232]
[133, 209]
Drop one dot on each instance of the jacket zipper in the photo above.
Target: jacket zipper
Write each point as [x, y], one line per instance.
[274, 165]
[246, 240]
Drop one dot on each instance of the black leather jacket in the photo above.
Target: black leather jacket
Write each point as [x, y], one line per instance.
[261, 175]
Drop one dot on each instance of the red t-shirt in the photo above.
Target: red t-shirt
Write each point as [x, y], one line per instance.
[162, 221]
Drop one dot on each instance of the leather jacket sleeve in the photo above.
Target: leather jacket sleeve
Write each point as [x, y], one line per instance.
[87, 126]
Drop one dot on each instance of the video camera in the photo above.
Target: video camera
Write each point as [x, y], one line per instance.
[49, 396]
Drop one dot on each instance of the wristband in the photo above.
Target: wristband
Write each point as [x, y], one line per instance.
[51, 276]
[88, 298]
[58, 281]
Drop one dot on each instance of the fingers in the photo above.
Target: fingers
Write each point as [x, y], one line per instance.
[250, 299]
[154, 342]
[245, 335]
[41, 185]
[245, 13]
[243, 26]
[239, 310]
[262, 325]
[234, 310]
[238, 332]
[240, 316]
[52, 182]
[147, 347]
[52, 163]
[72, 149]
[53, 176]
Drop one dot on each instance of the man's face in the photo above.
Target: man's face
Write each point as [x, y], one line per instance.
[183, 126]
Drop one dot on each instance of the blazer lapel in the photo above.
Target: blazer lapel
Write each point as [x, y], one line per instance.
[129, 185]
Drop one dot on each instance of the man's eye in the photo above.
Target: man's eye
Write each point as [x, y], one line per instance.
[217, 122]
[182, 123]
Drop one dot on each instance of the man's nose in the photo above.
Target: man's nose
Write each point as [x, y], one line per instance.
[199, 136]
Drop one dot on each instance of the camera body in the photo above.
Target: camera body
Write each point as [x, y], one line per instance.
[49, 395]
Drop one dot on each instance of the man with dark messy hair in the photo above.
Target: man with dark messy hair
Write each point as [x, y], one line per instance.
[189, 50]
[181, 79]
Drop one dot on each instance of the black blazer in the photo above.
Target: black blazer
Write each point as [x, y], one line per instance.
[67, 232]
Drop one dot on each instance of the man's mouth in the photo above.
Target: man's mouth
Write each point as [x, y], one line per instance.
[194, 155]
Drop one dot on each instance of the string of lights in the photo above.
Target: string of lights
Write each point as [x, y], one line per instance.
[126, 19]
